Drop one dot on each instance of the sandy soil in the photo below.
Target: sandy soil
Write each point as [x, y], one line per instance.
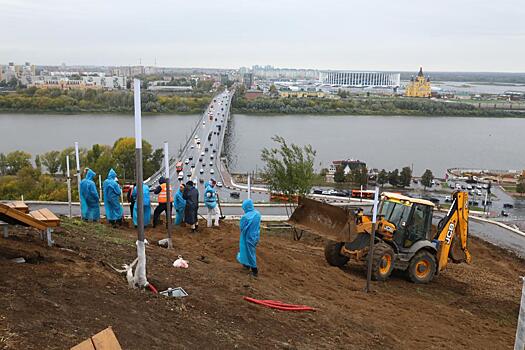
[64, 294]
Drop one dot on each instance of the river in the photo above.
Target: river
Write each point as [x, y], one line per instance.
[386, 142]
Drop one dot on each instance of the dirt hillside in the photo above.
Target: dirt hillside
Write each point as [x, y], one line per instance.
[64, 294]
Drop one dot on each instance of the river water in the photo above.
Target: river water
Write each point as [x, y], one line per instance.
[386, 142]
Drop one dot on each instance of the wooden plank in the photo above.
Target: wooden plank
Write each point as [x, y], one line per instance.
[106, 340]
[20, 205]
[85, 345]
[22, 217]
[37, 215]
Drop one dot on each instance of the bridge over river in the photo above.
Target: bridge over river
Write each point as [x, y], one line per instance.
[203, 158]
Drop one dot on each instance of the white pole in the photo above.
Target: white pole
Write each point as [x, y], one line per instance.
[361, 194]
[100, 186]
[519, 343]
[168, 192]
[68, 186]
[140, 272]
[249, 187]
[372, 238]
[77, 158]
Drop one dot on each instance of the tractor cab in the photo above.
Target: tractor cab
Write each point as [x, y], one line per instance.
[405, 220]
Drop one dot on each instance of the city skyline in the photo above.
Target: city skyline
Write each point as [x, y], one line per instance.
[383, 36]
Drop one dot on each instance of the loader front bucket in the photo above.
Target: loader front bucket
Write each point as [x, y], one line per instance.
[328, 221]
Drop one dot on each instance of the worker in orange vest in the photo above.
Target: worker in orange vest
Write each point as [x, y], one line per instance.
[162, 197]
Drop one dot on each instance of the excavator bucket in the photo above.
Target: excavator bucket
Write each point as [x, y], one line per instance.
[328, 221]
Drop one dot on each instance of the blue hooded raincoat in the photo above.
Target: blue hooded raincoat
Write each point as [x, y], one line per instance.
[112, 194]
[180, 204]
[89, 199]
[147, 205]
[210, 196]
[250, 232]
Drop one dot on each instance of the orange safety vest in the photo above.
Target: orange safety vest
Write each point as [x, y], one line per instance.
[162, 195]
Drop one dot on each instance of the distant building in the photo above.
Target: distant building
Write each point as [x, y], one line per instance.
[302, 94]
[253, 94]
[78, 81]
[419, 86]
[247, 80]
[360, 79]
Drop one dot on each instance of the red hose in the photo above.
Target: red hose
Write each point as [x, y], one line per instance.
[152, 288]
[279, 305]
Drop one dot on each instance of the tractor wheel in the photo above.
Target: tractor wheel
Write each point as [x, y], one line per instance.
[382, 262]
[332, 253]
[422, 267]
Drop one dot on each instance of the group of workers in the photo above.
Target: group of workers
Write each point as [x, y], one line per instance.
[186, 204]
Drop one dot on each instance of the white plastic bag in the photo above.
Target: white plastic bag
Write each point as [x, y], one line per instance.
[180, 263]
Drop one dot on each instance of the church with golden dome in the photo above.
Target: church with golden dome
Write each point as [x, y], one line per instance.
[418, 86]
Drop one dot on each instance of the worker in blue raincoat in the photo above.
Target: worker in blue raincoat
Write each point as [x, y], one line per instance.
[180, 204]
[112, 193]
[250, 233]
[89, 197]
[146, 205]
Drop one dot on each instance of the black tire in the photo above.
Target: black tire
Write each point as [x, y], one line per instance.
[422, 267]
[382, 262]
[332, 253]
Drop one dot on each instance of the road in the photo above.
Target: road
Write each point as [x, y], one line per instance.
[199, 160]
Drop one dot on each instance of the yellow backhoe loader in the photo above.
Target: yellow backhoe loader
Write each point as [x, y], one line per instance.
[405, 237]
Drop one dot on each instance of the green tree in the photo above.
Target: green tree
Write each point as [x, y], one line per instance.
[51, 160]
[323, 172]
[289, 169]
[38, 163]
[339, 175]
[360, 176]
[426, 178]
[382, 177]
[124, 155]
[393, 177]
[70, 151]
[3, 164]
[405, 176]
[16, 161]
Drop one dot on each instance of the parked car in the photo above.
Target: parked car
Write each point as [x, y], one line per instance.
[200, 171]
[219, 184]
[508, 206]
[235, 194]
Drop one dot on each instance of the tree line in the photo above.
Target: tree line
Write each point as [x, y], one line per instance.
[395, 178]
[362, 106]
[45, 178]
[91, 100]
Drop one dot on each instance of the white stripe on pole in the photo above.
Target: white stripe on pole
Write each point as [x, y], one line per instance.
[138, 121]
[78, 176]
[76, 156]
[67, 166]
[519, 343]
[376, 201]
[68, 186]
[166, 161]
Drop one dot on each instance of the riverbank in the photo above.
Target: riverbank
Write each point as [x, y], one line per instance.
[387, 106]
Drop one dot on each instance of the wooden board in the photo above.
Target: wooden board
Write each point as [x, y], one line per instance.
[45, 215]
[19, 205]
[14, 216]
[85, 345]
[106, 340]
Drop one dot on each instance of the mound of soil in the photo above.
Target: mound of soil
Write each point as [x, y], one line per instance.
[63, 295]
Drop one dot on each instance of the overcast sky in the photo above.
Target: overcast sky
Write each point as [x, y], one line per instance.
[446, 35]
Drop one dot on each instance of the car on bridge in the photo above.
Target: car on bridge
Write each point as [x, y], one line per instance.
[219, 184]
[201, 171]
[212, 171]
[211, 163]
